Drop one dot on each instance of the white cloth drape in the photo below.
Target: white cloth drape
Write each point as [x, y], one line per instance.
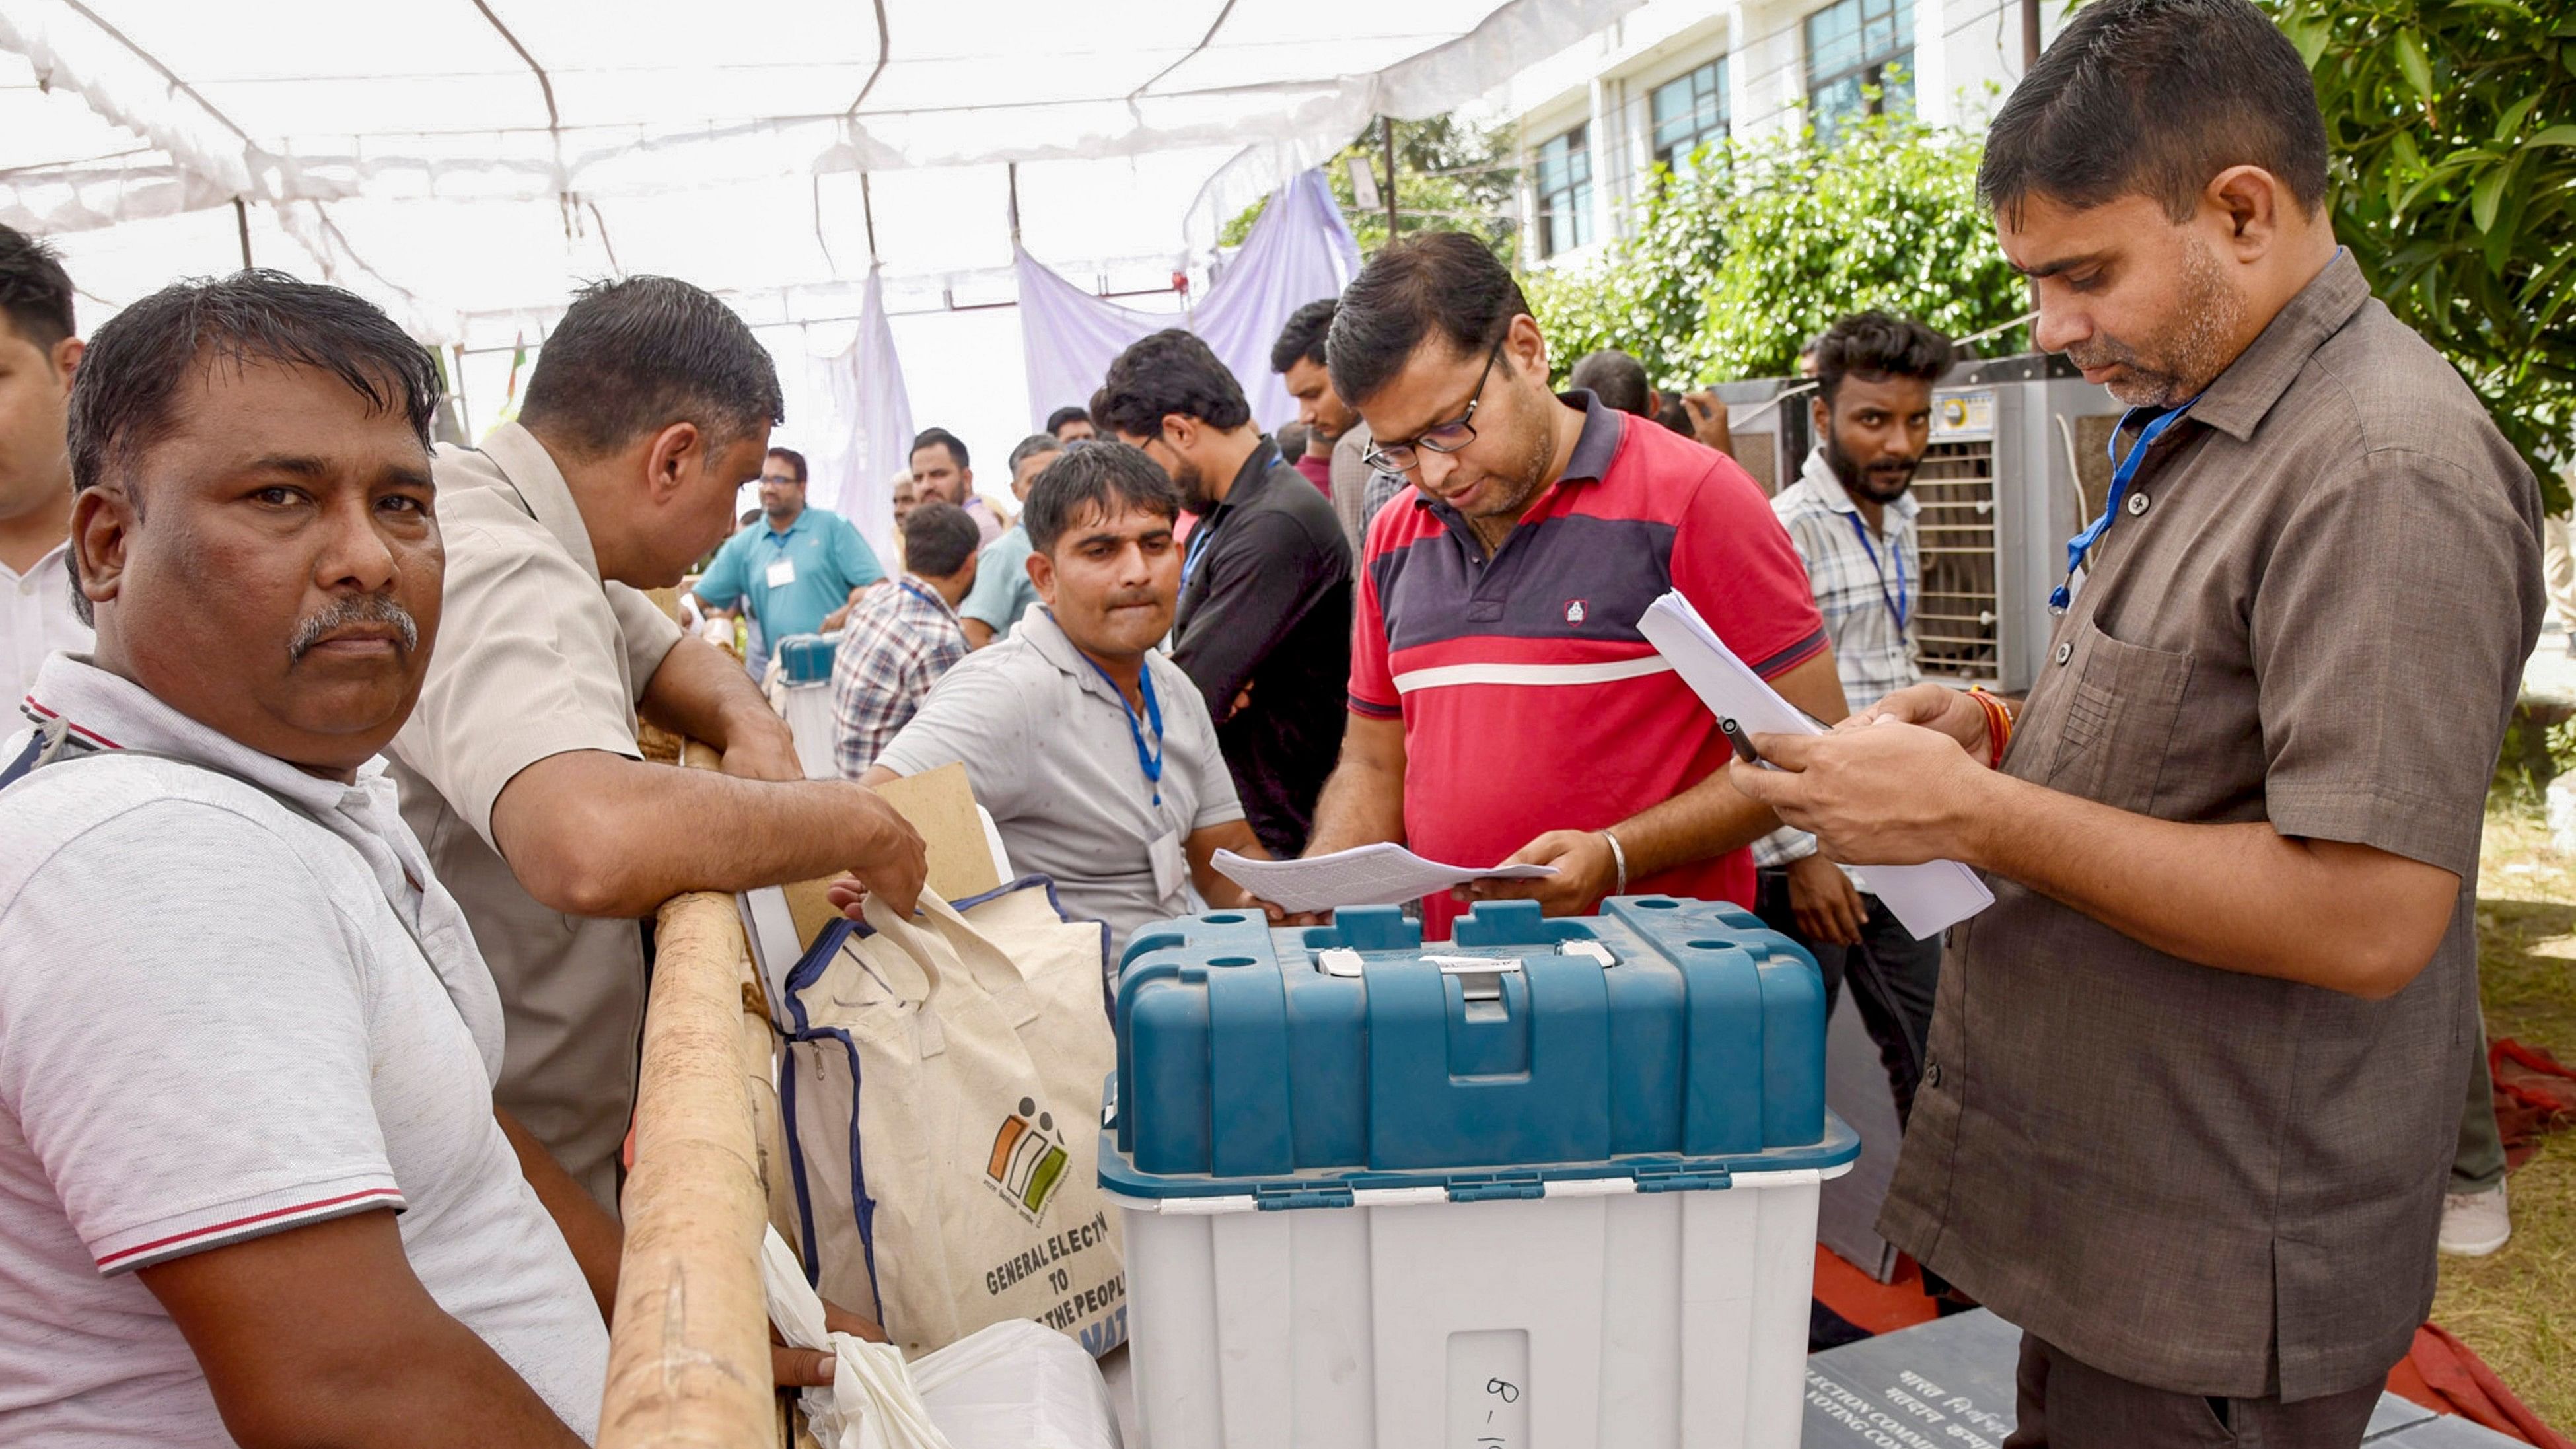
[871, 426]
[465, 166]
[1068, 337]
[1301, 250]
[448, 103]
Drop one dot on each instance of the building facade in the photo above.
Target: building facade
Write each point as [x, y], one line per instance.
[1595, 119]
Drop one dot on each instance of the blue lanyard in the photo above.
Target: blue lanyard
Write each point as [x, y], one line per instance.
[1199, 540]
[2123, 469]
[1150, 761]
[1897, 607]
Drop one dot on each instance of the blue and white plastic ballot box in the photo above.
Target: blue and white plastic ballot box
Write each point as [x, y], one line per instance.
[807, 658]
[1552, 1183]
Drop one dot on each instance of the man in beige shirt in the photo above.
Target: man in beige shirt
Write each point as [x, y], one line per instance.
[650, 406]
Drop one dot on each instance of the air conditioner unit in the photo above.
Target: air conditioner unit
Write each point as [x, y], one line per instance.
[1769, 429]
[2015, 468]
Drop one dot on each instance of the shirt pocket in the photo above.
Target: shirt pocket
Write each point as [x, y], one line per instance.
[2119, 720]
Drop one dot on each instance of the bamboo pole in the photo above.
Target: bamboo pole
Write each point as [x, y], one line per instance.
[688, 1356]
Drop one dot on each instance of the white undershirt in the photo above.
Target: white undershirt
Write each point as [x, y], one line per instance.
[36, 618]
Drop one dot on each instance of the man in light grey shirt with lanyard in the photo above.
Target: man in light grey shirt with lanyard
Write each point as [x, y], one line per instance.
[1094, 753]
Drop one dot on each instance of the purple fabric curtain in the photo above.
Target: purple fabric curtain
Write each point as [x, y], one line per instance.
[1300, 250]
[1069, 337]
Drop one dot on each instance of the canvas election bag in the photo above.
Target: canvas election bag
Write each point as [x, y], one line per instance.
[942, 1093]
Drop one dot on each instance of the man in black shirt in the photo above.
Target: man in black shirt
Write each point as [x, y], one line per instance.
[1264, 626]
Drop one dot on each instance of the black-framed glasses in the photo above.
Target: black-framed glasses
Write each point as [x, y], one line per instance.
[1443, 437]
[779, 478]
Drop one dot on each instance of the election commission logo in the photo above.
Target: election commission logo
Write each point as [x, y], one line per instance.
[1028, 1161]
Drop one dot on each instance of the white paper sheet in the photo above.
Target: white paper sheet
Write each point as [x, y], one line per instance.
[1927, 898]
[1372, 875]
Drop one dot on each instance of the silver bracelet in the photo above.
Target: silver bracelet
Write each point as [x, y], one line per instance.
[1619, 858]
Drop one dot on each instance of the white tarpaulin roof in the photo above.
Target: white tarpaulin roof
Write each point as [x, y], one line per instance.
[463, 163]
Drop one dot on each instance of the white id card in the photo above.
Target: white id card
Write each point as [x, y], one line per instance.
[782, 573]
[2075, 586]
[1171, 865]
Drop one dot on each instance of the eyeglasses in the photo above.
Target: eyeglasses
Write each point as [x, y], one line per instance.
[778, 478]
[1443, 437]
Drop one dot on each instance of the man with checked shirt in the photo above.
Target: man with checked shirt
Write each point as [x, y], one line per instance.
[1853, 521]
[900, 640]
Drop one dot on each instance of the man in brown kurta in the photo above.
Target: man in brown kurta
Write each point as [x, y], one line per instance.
[2194, 1079]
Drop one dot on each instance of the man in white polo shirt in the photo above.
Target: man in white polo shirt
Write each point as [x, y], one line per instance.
[252, 1185]
[1093, 752]
[38, 357]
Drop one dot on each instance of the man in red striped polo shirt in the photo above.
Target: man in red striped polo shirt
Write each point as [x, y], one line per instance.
[1503, 706]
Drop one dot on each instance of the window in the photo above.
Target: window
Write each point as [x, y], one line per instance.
[1687, 111]
[1564, 193]
[1850, 45]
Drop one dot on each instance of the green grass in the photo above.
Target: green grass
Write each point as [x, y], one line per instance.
[2518, 1307]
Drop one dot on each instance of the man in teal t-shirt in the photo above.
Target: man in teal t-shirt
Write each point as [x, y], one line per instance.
[1002, 590]
[794, 569]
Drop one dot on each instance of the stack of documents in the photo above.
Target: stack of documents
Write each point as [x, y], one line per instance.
[1372, 875]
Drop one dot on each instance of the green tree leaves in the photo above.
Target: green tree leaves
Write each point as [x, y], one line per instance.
[1735, 261]
[2452, 124]
[1450, 176]
[2452, 127]
[2417, 66]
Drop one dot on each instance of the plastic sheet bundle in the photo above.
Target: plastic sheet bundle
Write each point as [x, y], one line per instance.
[1014, 1385]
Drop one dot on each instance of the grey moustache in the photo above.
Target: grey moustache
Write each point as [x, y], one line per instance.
[370, 609]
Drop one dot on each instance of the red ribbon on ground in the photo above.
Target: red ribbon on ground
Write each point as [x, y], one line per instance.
[2470, 1389]
[2534, 1094]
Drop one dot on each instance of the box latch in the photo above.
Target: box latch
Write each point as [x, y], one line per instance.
[1497, 1187]
[1673, 1177]
[1283, 1196]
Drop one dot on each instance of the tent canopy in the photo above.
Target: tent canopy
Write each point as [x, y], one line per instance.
[463, 166]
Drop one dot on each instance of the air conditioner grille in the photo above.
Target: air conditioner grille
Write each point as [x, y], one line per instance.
[1955, 608]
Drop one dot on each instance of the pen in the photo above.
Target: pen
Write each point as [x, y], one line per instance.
[1743, 743]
